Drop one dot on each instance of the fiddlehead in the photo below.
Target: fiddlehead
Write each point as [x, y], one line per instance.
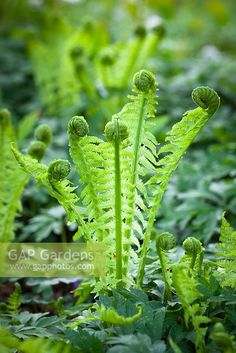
[164, 243]
[112, 133]
[58, 170]
[37, 150]
[206, 98]
[43, 133]
[78, 127]
[193, 249]
[43, 137]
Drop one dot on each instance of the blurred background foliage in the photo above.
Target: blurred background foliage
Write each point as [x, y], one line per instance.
[61, 58]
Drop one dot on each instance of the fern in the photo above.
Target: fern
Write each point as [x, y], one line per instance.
[14, 301]
[186, 289]
[226, 255]
[120, 208]
[54, 179]
[108, 315]
[12, 179]
[178, 140]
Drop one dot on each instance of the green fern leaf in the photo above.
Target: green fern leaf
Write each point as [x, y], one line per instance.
[226, 256]
[12, 179]
[14, 301]
[60, 189]
[177, 142]
[186, 289]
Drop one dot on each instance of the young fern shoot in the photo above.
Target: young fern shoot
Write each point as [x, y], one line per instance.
[177, 142]
[116, 132]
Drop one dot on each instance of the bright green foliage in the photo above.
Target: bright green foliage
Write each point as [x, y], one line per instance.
[190, 298]
[108, 315]
[8, 342]
[14, 301]
[81, 55]
[226, 271]
[122, 180]
[58, 188]
[224, 342]
[111, 316]
[177, 142]
[12, 179]
[43, 345]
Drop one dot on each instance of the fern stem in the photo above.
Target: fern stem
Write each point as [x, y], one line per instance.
[134, 174]
[164, 274]
[118, 202]
[86, 166]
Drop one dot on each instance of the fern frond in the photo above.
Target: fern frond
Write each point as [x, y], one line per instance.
[134, 114]
[186, 289]
[108, 315]
[58, 188]
[12, 179]
[56, 81]
[85, 153]
[226, 255]
[177, 142]
[14, 301]
[111, 316]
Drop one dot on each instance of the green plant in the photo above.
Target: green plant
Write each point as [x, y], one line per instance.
[123, 179]
[14, 179]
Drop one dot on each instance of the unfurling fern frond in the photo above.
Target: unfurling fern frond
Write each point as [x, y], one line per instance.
[14, 301]
[122, 179]
[54, 179]
[111, 316]
[193, 257]
[84, 151]
[190, 298]
[108, 315]
[164, 243]
[12, 179]
[177, 142]
[143, 145]
[226, 255]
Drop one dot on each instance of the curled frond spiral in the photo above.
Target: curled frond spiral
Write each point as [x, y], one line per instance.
[37, 150]
[165, 241]
[145, 81]
[43, 133]
[206, 98]
[110, 130]
[58, 169]
[192, 246]
[78, 127]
